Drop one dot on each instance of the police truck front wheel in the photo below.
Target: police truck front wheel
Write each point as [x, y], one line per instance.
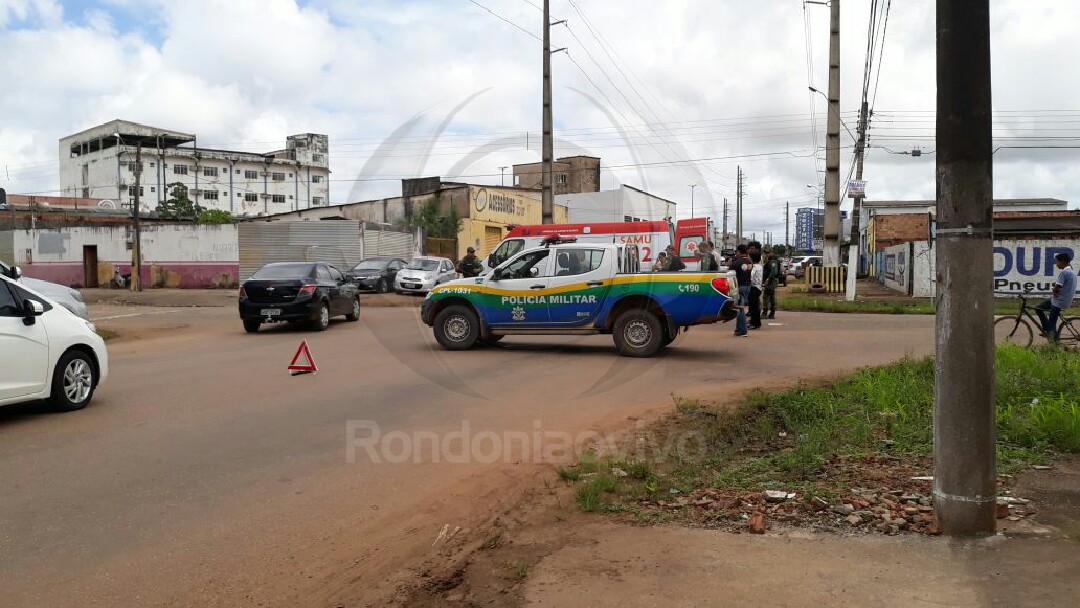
[457, 328]
[638, 333]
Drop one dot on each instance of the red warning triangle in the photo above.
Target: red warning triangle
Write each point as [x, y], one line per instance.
[298, 367]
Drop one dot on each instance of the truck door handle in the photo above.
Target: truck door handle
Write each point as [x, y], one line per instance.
[537, 287]
[594, 283]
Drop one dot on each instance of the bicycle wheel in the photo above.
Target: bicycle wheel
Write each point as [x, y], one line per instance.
[1069, 332]
[1012, 330]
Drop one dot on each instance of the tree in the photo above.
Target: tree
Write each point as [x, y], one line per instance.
[178, 206]
[214, 216]
[434, 224]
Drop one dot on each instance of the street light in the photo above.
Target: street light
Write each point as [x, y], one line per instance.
[692, 186]
[852, 136]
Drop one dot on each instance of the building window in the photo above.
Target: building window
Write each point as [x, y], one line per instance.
[131, 166]
[210, 195]
[251, 198]
[318, 158]
[277, 198]
[151, 164]
[560, 179]
[316, 179]
[179, 169]
[290, 175]
[210, 171]
[250, 174]
[131, 190]
[277, 177]
[316, 200]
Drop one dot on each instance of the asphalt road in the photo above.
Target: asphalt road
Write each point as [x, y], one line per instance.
[204, 474]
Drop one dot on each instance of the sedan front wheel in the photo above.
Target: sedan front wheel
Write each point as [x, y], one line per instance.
[74, 381]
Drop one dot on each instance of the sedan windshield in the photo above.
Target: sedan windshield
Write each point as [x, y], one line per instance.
[425, 265]
[371, 265]
[284, 271]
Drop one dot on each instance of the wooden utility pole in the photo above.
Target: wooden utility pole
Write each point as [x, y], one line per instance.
[965, 487]
[136, 243]
[547, 195]
[738, 206]
[831, 248]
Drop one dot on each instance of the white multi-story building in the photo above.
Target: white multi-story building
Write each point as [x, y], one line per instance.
[100, 163]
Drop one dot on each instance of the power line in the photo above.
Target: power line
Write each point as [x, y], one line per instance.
[500, 17]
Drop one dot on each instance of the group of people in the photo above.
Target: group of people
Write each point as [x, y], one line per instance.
[757, 273]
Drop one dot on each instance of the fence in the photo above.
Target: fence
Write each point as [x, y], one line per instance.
[832, 278]
[446, 248]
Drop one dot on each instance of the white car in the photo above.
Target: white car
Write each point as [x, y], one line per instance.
[65, 296]
[46, 352]
[423, 273]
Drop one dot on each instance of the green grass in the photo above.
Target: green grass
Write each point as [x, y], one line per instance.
[106, 334]
[784, 439]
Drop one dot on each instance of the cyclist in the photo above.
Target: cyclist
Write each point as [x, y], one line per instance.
[1064, 289]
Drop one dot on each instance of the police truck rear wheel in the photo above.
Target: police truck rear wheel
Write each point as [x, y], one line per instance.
[457, 328]
[638, 333]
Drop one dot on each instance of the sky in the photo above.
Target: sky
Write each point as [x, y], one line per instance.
[669, 94]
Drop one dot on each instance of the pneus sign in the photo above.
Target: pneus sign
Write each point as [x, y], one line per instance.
[1023, 265]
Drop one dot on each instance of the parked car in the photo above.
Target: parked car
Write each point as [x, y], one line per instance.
[297, 292]
[424, 273]
[376, 274]
[798, 266]
[67, 297]
[49, 353]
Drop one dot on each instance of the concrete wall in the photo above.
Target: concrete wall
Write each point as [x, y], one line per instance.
[896, 268]
[186, 256]
[615, 206]
[1019, 264]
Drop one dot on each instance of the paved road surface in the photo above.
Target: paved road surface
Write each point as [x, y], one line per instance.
[203, 474]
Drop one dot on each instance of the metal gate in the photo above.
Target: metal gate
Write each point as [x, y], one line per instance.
[492, 236]
[336, 242]
[383, 240]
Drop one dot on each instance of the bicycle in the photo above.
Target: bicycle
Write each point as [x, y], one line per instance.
[1016, 329]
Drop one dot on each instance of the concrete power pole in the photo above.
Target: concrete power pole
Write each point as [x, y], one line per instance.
[831, 250]
[854, 245]
[723, 236]
[136, 243]
[738, 207]
[787, 224]
[964, 475]
[547, 195]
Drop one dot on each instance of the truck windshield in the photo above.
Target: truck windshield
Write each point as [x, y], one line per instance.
[506, 250]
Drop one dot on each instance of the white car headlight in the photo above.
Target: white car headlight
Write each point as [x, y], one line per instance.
[90, 326]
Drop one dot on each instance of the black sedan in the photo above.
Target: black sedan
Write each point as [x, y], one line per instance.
[297, 292]
[376, 274]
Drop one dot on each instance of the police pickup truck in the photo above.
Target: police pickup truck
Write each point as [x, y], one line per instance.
[578, 289]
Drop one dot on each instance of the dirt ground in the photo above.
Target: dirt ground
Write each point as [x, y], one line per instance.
[546, 553]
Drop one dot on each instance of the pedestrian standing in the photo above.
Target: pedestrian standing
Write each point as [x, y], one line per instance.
[707, 260]
[756, 288]
[772, 279]
[743, 266]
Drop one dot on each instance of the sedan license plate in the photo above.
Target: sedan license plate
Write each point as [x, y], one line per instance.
[270, 312]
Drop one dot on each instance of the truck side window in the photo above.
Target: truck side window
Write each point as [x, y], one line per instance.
[578, 261]
[507, 250]
[519, 268]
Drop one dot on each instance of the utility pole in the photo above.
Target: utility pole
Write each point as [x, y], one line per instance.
[723, 236]
[692, 186]
[136, 244]
[853, 244]
[965, 487]
[738, 206]
[547, 195]
[787, 224]
[831, 235]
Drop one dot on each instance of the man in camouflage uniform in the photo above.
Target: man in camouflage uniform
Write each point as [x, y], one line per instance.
[470, 265]
[772, 278]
